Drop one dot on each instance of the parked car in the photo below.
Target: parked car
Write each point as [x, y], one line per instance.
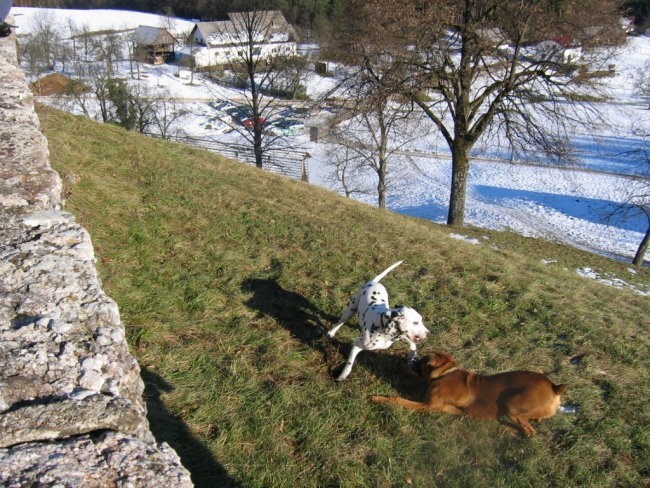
[287, 127]
[248, 123]
[220, 105]
[239, 114]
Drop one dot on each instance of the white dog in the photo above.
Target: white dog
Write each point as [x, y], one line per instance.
[380, 325]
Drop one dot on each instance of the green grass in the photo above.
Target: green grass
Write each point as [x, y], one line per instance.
[227, 276]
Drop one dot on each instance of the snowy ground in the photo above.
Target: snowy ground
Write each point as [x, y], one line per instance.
[562, 205]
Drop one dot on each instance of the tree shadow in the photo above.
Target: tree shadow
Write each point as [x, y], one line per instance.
[308, 323]
[204, 469]
[599, 211]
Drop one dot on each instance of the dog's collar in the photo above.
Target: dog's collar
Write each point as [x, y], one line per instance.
[448, 371]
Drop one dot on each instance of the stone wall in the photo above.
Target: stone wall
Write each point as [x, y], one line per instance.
[71, 406]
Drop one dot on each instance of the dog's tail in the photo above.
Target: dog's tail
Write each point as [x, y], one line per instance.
[559, 389]
[378, 278]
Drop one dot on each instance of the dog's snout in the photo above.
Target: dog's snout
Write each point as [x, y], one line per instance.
[422, 336]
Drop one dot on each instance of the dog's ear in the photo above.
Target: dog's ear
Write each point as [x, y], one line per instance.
[438, 359]
[439, 363]
[445, 360]
[393, 315]
[429, 366]
[445, 357]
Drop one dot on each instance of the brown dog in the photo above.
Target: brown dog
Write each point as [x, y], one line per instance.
[519, 395]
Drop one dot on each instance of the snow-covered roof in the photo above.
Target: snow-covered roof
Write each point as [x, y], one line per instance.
[269, 26]
[272, 21]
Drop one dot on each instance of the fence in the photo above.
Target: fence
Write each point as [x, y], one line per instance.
[286, 162]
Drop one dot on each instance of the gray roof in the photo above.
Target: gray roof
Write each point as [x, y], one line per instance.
[149, 36]
[210, 30]
[270, 21]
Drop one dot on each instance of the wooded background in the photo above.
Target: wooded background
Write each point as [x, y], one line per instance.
[308, 14]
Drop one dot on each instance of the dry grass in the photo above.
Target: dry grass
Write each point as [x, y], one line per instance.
[57, 84]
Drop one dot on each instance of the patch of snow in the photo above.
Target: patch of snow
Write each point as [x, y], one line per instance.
[613, 281]
[469, 240]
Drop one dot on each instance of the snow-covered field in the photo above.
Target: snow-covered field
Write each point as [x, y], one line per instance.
[563, 205]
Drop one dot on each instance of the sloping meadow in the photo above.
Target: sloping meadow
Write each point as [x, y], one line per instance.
[227, 277]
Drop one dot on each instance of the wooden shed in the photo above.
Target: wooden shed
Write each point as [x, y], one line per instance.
[154, 44]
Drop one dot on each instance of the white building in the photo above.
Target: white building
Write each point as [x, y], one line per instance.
[558, 51]
[222, 41]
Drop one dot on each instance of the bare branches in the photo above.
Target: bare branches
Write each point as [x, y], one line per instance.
[257, 54]
[504, 68]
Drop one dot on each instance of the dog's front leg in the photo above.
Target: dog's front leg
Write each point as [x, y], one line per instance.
[348, 365]
[346, 315]
[411, 405]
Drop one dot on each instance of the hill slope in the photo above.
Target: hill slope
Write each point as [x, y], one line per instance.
[226, 277]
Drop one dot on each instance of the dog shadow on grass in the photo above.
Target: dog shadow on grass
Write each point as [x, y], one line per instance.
[308, 323]
[204, 469]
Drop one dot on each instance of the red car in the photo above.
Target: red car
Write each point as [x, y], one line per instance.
[249, 122]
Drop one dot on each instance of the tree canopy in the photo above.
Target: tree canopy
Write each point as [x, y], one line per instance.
[309, 14]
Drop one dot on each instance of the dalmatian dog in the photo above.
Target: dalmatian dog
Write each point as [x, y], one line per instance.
[380, 325]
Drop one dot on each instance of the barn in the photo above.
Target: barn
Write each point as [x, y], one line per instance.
[154, 45]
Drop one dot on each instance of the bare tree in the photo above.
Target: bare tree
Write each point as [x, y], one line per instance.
[378, 126]
[500, 69]
[135, 59]
[168, 20]
[642, 82]
[260, 68]
[346, 171]
[188, 61]
[108, 49]
[165, 113]
[373, 138]
[42, 48]
[108, 98]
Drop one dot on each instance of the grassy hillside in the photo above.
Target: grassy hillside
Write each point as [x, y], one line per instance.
[227, 276]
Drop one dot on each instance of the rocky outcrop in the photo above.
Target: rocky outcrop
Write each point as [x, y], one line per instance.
[71, 405]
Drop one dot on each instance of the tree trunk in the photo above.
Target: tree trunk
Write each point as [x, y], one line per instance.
[383, 156]
[381, 189]
[258, 150]
[643, 247]
[459, 174]
[257, 146]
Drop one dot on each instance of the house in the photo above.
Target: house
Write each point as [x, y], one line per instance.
[562, 50]
[153, 45]
[627, 24]
[222, 41]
